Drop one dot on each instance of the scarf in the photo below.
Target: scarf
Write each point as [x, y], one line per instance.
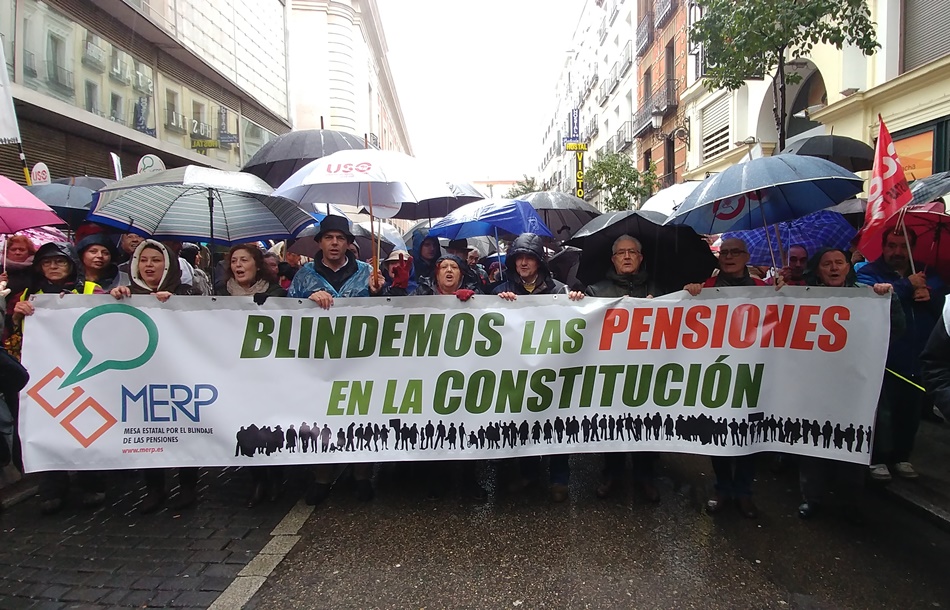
[744, 280]
[236, 290]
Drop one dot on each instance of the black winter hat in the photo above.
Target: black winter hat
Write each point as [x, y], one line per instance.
[96, 239]
[334, 222]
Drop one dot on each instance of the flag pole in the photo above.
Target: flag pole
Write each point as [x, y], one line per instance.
[26, 168]
[372, 236]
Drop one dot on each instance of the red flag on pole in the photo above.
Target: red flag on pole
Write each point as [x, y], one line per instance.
[887, 193]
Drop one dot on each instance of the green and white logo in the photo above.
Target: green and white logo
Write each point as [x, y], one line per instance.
[91, 364]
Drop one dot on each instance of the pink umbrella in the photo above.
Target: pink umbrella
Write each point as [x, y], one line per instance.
[20, 209]
[38, 235]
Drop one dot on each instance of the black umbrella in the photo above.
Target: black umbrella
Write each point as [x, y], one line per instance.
[563, 265]
[71, 203]
[851, 154]
[564, 214]
[437, 207]
[673, 255]
[281, 157]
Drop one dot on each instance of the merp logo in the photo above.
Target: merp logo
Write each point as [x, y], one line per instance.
[96, 337]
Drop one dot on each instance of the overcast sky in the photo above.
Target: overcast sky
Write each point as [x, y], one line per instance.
[475, 79]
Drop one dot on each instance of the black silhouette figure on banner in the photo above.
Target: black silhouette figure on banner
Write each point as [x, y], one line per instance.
[440, 435]
[453, 434]
[838, 437]
[291, 439]
[340, 440]
[304, 436]
[859, 439]
[462, 435]
[559, 429]
[585, 424]
[548, 430]
[668, 427]
[594, 428]
[849, 434]
[524, 432]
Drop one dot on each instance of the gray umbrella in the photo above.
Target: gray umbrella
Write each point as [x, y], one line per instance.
[927, 189]
[280, 158]
[71, 203]
[564, 214]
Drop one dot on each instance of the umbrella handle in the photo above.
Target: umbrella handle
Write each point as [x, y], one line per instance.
[910, 253]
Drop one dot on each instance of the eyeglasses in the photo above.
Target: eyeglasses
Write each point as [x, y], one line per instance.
[54, 262]
[732, 252]
[627, 251]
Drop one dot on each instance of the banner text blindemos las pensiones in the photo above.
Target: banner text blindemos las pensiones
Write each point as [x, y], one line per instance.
[201, 381]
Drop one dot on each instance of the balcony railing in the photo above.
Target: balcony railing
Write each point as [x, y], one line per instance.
[667, 180]
[611, 146]
[626, 57]
[593, 128]
[644, 33]
[614, 10]
[29, 63]
[665, 99]
[614, 77]
[663, 9]
[603, 93]
[642, 120]
[93, 56]
[625, 136]
[59, 76]
[602, 31]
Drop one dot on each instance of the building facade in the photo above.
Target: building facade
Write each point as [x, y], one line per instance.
[595, 97]
[191, 81]
[340, 76]
[842, 92]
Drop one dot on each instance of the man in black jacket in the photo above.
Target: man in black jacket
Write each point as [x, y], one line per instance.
[935, 362]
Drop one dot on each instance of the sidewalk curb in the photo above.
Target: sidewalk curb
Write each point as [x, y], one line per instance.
[19, 490]
[904, 493]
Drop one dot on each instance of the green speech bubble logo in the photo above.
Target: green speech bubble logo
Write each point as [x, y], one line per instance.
[85, 356]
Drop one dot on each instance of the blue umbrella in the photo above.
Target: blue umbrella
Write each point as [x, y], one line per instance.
[490, 216]
[822, 229]
[765, 191]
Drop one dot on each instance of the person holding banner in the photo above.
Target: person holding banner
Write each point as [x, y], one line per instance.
[154, 270]
[528, 274]
[922, 297]
[336, 272]
[96, 251]
[734, 475]
[831, 267]
[248, 275]
[56, 269]
[17, 262]
[627, 279]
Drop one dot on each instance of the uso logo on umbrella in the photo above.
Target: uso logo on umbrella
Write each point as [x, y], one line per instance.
[347, 168]
[727, 209]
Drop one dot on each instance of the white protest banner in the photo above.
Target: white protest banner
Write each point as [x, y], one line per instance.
[9, 128]
[200, 381]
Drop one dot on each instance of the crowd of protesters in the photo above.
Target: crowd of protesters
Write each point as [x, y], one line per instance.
[98, 262]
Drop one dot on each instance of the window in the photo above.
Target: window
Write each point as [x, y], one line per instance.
[115, 108]
[715, 127]
[92, 97]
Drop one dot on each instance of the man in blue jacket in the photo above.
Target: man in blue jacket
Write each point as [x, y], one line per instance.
[335, 272]
[922, 297]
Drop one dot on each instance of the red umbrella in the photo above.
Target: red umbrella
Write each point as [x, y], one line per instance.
[20, 209]
[930, 222]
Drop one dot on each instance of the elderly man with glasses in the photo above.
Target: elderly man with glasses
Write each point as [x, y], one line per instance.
[627, 278]
[733, 474]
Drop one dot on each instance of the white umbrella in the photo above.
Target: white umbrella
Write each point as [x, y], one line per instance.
[376, 181]
[666, 200]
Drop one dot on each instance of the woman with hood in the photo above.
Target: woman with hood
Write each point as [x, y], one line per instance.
[424, 258]
[155, 270]
[450, 277]
[248, 275]
[528, 274]
[97, 254]
[831, 267]
[56, 270]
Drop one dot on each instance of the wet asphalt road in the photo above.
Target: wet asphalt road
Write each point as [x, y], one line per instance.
[522, 551]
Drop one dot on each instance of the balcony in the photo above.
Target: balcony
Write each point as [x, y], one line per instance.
[624, 136]
[93, 56]
[142, 83]
[614, 77]
[59, 77]
[665, 100]
[626, 57]
[593, 128]
[602, 31]
[29, 63]
[594, 79]
[614, 10]
[663, 9]
[667, 180]
[374, 140]
[642, 120]
[120, 71]
[603, 93]
[644, 34]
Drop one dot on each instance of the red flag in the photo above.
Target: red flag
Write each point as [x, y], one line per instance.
[887, 193]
